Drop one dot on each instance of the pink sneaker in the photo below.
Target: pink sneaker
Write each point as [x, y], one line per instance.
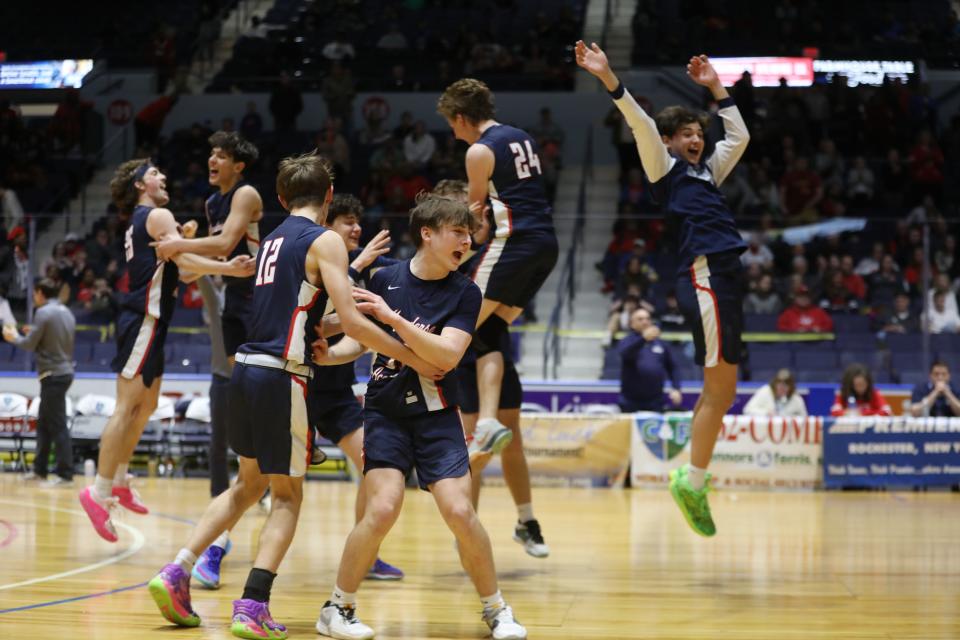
[130, 499]
[98, 511]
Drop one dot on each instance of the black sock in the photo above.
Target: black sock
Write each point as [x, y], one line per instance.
[258, 586]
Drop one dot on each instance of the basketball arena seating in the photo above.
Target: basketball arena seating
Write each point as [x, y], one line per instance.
[300, 29]
[891, 357]
[112, 32]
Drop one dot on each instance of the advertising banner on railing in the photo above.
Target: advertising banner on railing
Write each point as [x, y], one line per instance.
[750, 451]
[573, 450]
[891, 451]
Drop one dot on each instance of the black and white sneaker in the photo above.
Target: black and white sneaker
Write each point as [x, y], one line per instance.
[503, 626]
[342, 622]
[528, 534]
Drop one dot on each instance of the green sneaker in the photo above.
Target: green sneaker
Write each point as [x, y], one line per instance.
[693, 504]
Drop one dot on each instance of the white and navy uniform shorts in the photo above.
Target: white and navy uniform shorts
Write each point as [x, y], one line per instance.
[268, 415]
[710, 294]
[140, 340]
[511, 270]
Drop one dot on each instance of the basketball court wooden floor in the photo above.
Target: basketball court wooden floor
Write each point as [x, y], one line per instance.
[623, 565]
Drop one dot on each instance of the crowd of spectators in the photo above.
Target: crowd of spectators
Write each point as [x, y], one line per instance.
[852, 29]
[429, 43]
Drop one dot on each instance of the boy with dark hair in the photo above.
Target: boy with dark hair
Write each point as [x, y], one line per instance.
[410, 420]
[503, 167]
[710, 282]
[233, 214]
[299, 267]
[140, 188]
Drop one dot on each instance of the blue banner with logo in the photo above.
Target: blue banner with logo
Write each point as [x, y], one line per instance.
[891, 451]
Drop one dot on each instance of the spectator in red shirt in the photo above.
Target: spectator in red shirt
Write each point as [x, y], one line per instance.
[853, 282]
[150, 119]
[802, 316]
[857, 396]
[800, 192]
[926, 164]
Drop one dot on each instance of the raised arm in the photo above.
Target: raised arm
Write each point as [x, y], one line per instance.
[656, 161]
[162, 226]
[329, 254]
[246, 207]
[727, 152]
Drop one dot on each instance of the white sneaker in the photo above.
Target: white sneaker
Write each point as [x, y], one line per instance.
[342, 623]
[56, 482]
[489, 438]
[30, 476]
[528, 534]
[503, 626]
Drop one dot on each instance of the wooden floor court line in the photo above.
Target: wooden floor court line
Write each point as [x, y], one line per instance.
[623, 565]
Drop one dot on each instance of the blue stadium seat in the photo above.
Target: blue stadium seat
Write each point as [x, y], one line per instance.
[760, 322]
[904, 342]
[857, 341]
[848, 323]
[817, 375]
[814, 359]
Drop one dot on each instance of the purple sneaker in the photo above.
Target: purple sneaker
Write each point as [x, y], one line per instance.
[170, 589]
[251, 619]
[207, 569]
[384, 571]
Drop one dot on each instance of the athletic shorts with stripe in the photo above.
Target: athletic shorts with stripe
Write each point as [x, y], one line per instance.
[710, 295]
[511, 270]
[140, 340]
[511, 391]
[432, 442]
[268, 419]
[335, 413]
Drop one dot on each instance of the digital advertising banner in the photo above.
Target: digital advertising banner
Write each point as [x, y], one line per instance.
[891, 451]
[44, 74]
[751, 451]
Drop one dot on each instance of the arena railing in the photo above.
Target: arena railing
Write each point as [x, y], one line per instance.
[567, 285]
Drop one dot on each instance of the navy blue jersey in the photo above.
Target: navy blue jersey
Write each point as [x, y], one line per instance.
[153, 283]
[517, 195]
[432, 305]
[286, 307]
[218, 209]
[705, 221]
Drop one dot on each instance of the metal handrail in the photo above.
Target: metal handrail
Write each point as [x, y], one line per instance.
[567, 285]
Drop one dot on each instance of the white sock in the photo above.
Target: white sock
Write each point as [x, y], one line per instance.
[494, 602]
[343, 599]
[525, 512]
[120, 477]
[103, 487]
[186, 559]
[697, 477]
[222, 540]
[487, 423]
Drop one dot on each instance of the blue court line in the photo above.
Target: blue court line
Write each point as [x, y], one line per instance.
[94, 595]
[73, 599]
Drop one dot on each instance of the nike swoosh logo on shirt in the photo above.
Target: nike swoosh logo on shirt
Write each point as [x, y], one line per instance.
[389, 288]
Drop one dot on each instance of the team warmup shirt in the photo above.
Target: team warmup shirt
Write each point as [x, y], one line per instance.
[218, 210]
[691, 192]
[517, 194]
[153, 283]
[432, 305]
[286, 307]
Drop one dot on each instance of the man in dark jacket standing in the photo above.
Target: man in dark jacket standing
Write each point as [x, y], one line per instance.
[646, 364]
[52, 340]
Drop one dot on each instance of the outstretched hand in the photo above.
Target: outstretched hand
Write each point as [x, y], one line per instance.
[702, 72]
[377, 247]
[592, 58]
[371, 304]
